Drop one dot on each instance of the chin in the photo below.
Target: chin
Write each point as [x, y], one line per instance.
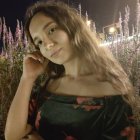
[61, 61]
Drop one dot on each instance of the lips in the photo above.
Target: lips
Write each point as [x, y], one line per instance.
[55, 52]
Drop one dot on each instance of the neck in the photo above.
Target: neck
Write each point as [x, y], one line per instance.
[77, 68]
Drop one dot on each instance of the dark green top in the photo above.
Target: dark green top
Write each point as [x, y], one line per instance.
[59, 117]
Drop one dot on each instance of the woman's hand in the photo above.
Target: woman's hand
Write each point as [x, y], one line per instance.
[34, 64]
[33, 136]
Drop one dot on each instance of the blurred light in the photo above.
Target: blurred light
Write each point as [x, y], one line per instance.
[88, 22]
[112, 30]
[118, 40]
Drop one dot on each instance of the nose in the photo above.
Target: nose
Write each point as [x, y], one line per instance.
[49, 46]
[48, 43]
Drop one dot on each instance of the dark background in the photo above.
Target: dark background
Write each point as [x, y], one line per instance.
[103, 12]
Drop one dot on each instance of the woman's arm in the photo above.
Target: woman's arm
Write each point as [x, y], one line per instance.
[16, 125]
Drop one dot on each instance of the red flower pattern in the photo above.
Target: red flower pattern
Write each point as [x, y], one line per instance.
[38, 119]
[129, 132]
[70, 138]
[81, 100]
[88, 101]
[91, 107]
[32, 106]
[131, 117]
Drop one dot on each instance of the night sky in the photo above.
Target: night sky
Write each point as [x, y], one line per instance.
[103, 12]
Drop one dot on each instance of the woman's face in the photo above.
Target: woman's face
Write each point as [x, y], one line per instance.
[50, 39]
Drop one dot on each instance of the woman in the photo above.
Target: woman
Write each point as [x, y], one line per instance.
[86, 96]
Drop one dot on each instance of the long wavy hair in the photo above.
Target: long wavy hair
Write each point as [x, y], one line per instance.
[85, 43]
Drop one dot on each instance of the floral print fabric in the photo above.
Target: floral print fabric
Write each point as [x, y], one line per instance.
[59, 117]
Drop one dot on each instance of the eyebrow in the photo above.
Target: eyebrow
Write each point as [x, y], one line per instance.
[48, 24]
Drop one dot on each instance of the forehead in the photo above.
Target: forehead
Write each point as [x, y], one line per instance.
[38, 21]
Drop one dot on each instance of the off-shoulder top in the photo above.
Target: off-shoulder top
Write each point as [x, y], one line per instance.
[62, 117]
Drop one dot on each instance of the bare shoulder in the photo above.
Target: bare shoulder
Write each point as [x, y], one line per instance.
[107, 89]
[53, 84]
[83, 87]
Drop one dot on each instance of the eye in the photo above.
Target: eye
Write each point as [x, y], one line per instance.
[52, 30]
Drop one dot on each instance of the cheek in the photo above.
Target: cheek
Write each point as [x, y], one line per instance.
[44, 53]
[62, 37]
